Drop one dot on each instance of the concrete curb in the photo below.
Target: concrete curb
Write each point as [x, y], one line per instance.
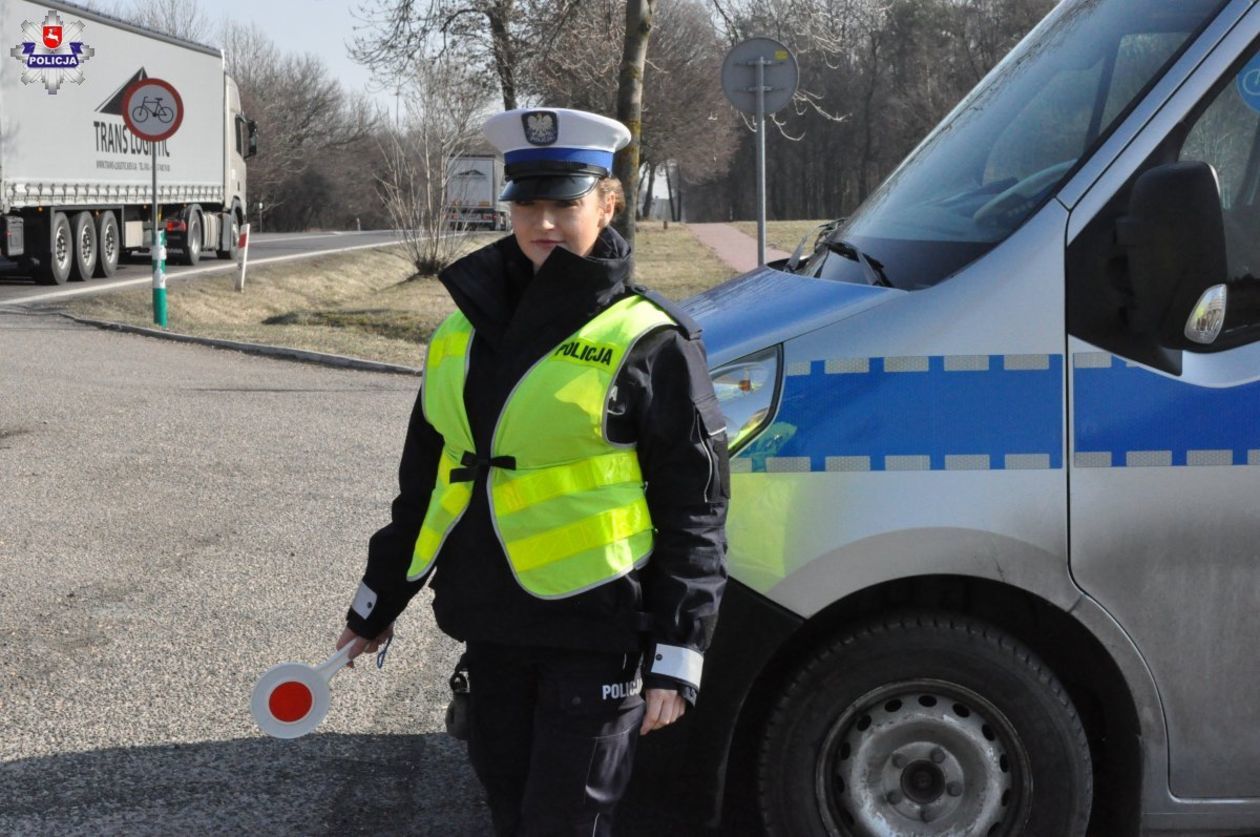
[281, 352]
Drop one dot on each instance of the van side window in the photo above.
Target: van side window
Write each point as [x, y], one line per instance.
[1225, 137]
[1224, 132]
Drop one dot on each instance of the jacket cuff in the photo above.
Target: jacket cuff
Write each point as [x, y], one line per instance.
[369, 614]
[678, 663]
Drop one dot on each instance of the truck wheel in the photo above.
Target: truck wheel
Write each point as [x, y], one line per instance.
[108, 245]
[234, 250]
[192, 241]
[54, 265]
[84, 262]
[928, 724]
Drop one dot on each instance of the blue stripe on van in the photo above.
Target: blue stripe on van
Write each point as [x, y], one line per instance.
[1136, 417]
[916, 413]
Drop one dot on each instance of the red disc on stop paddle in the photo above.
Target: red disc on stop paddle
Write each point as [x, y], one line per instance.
[290, 701]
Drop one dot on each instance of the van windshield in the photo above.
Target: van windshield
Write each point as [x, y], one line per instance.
[1006, 148]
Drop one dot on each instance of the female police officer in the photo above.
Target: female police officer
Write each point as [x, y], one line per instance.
[564, 485]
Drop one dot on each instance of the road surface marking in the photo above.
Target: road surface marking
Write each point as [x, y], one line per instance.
[148, 280]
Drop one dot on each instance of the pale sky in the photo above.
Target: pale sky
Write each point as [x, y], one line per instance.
[296, 26]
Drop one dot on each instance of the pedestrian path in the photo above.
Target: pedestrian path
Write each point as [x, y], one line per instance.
[733, 246]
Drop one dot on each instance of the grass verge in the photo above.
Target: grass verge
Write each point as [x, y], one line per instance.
[361, 304]
[782, 235]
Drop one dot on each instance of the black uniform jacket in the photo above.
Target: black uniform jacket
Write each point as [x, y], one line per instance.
[662, 400]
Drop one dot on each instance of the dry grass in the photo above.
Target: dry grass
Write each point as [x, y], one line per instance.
[673, 262]
[361, 304]
[783, 235]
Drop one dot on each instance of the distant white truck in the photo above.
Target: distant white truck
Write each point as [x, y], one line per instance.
[75, 184]
[473, 184]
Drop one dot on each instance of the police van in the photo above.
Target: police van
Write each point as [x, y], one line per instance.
[995, 522]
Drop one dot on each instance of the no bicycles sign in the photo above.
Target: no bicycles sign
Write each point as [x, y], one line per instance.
[152, 109]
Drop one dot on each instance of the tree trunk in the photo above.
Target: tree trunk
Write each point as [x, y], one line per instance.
[499, 13]
[868, 117]
[670, 185]
[647, 194]
[630, 106]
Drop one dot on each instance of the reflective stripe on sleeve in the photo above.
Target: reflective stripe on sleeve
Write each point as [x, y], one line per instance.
[680, 663]
[364, 601]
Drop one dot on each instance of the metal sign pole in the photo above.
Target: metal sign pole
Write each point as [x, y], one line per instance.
[143, 100]
[775, 76]
[158, 251]
[761, 160]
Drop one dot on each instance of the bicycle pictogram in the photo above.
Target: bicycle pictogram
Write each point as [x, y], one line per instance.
[152, 107]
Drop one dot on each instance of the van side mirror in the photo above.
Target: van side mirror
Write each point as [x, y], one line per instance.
[252, 147]
[1174, 236]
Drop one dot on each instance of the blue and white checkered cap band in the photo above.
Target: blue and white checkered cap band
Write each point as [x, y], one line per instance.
[594, 157]
[542, 135]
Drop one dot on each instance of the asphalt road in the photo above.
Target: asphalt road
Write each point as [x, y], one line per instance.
[19, 287]
[176, 520]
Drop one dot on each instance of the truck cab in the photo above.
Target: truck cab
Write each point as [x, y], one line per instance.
[995, 449]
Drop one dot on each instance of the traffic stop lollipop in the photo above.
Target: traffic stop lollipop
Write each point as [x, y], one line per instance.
[290, 699]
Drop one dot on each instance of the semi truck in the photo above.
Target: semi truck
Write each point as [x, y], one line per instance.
[995, 461]
[473, 184]
[75, 184]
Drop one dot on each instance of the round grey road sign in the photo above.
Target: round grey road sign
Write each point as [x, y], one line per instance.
[739, 74]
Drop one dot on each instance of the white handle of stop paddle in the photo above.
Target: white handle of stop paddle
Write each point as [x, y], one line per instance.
[335, 663]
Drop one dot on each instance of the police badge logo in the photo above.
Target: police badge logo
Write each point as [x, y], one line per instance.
[540, 127]
[51, 53]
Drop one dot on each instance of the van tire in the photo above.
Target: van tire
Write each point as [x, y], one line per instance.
[925, 712]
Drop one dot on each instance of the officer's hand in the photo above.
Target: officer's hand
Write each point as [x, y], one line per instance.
[359, 645]
[664, 706]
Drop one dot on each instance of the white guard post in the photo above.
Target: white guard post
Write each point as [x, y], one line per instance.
[243, 250]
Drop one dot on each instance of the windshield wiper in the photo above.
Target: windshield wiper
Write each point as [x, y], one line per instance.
[873, 270]
[821, 232]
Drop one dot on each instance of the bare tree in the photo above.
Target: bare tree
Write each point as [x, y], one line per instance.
[630, 104]
[444, 102]
[685, 117]
[875, 76]
[181, 18]
[301, 111]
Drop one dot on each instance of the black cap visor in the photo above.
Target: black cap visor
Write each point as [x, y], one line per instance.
[552, 187]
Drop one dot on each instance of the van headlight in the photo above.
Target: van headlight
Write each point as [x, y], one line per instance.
[746, 391]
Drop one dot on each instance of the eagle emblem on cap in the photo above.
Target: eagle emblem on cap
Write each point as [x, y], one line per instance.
[540, 127]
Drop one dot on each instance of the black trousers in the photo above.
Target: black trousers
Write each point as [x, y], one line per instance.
[552, 736]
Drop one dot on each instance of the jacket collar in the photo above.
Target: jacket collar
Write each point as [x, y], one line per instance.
[495, 287]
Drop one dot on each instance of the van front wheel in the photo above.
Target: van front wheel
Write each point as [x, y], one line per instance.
[925, 724]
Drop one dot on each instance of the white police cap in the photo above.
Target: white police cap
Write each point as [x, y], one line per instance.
[554, 153]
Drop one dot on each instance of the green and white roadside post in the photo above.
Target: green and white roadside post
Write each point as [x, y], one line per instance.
[153, 111]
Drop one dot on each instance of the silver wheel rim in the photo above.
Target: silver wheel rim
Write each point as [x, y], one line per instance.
[109, 243]
[194, 240]
[62, 246]
[924, 758]
[85, 244]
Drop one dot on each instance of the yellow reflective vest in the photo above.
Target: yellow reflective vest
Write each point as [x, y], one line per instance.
[567, 505]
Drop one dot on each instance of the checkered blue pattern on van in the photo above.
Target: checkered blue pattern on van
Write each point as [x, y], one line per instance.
[1128, 417]
[918, 413]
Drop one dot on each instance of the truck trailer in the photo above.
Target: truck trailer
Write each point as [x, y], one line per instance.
[75, 183]
[473, 184]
